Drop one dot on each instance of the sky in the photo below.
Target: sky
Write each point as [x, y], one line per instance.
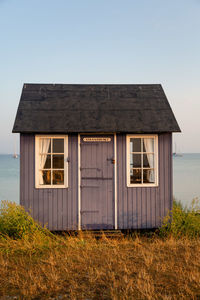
[102, 41]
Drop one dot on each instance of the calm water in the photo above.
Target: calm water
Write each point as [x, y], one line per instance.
[186, 178]
[9, 178]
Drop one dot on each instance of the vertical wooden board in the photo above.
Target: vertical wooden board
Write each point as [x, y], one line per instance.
[70, 181]
[149, 208]
[163, 183]
[60, 209]
[26, 171]
[65, 204]
[126, 207]
[153, 193]
[109, 168]
[72, 200]
[102, 192]
[31, 171]
[130, 209]
[55, 209]
[41, 206]
[171, 174]
[36, 204]
[106, 208]
[46, 208]
[119, 181]
[160, 200]
[50, 204]
[144, 208]
[166, 172]
[75, 185]
[158, 209]
[111, 186]
[134, 210]
[139, 207]
[22, 173]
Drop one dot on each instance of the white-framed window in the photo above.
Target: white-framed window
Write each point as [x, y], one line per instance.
[51, 161]
[142, 160]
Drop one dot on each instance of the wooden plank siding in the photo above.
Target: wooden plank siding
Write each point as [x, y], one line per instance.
[56, 208]
[144, 207]
[137, 207]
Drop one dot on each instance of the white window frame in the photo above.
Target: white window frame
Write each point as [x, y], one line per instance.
[128, 137]
[50, 186]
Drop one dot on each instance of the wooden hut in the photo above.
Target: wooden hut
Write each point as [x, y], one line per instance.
[95, 156]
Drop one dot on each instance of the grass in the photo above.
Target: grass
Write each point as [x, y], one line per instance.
[40, 265]
[182, 221]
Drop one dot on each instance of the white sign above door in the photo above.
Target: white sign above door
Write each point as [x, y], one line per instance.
[96, 139]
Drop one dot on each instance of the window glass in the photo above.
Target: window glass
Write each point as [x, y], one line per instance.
[142, 160]
[45, 177]
[148, 176]
[51, 165]
[45, 161]
[58, 161]
[148, 160]
[58, 177]
[136, 176]
[136, 161]
[58, 145]
[135, 144]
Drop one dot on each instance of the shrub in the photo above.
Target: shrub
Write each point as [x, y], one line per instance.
[15, 222]
[182, 221]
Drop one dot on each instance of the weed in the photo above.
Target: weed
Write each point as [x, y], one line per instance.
[182, 221]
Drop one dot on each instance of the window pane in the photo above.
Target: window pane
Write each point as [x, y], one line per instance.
[148, 145]
[58, 177]
[45, 161]
[135, 176]
[148, 176]
[136, 160]
[148, 160]
[58, 161]
[58, 145]
[45, 177]
[135, 145]
[45, 145]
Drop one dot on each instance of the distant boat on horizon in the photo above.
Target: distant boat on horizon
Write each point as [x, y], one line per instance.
[177, 154]
[15, 154]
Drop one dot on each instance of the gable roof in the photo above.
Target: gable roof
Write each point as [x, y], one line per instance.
[62, 108]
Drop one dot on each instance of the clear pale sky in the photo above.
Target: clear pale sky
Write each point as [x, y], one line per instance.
[102, 41]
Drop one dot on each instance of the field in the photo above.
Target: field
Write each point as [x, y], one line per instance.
[35, 264]
[85, 268]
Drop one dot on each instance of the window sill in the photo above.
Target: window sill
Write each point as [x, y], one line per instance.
[142, 185]
[52, 187]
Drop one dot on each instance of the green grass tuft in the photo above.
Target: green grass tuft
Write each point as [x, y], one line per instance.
[182, 221]
[16, 223]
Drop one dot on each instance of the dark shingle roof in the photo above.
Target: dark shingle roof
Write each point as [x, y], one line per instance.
[60, 108]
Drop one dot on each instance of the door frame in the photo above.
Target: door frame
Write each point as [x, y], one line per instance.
[79, 175]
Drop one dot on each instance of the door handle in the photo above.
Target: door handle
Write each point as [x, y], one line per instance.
[112, 160]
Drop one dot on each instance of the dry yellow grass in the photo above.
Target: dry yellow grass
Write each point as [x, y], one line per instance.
[85, 268]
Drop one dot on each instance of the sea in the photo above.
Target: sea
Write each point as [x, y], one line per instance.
[186, 178]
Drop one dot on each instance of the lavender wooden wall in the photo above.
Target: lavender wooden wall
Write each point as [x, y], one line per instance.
[142, 208]
[137, 207]
[57, 207]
